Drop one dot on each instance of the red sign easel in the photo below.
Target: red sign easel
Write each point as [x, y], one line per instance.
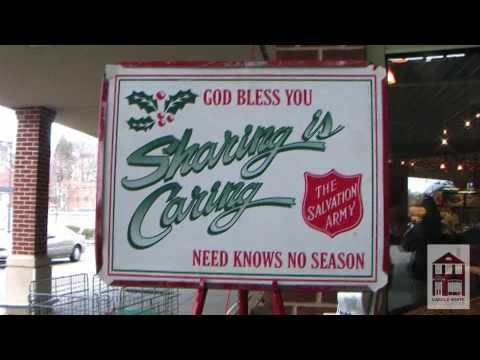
[278, 307]
[277, 301]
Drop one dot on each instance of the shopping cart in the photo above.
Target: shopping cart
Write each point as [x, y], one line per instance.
[114, 300]
[72, 295]
[68, 295]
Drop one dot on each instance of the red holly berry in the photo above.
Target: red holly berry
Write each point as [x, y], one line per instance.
[170, 118]
[161, 119]
[161, 95]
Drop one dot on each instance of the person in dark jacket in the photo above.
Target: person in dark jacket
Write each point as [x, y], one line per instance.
[428, 231]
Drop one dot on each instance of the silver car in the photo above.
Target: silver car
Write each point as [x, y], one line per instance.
[3, 257]
[64, 243]
[5, 240]
[61, 243]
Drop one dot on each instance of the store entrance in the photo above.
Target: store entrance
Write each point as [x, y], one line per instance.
[434, 111]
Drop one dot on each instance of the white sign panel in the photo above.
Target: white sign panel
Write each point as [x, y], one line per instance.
[243, 175]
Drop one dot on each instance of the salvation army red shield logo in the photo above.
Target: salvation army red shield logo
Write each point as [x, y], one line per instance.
[332, 203]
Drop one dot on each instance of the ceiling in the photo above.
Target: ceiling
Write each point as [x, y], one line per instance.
[431, 96]
[67, 77]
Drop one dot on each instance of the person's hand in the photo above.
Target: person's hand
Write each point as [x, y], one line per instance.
[398, 228]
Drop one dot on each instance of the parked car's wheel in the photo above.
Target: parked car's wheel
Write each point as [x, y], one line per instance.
[76, 253]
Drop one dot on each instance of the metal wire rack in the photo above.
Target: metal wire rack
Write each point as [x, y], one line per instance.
[68, 295]
[72, 295]
[114, 300]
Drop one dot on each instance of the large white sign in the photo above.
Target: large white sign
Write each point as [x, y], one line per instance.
[243, 175]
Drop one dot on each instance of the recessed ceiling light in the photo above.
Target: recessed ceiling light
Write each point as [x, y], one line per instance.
[391, 77]
[415, 58]
[399, 61]
[435, 57]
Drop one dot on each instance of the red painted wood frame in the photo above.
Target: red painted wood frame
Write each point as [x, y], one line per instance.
[242, 288]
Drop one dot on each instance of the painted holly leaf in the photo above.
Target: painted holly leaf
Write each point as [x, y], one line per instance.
[143, 101]
[179, 100]
[142, 124]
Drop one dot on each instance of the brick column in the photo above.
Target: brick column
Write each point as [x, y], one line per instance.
[29, 260]
[321, 52]
[376, 54]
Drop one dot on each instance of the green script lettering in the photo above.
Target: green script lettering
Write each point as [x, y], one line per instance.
[179, 157]
[234, 200]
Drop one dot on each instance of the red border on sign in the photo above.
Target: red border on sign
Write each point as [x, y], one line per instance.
[386, 178]
[101, 134]
[100, 162]
[226, 277]
[245, 64]
[111, 178]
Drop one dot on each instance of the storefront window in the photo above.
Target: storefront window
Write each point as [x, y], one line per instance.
[434, 106]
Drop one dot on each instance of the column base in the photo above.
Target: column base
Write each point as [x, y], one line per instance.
[21, 271]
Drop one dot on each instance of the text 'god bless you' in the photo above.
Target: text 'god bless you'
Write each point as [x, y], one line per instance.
[260, 147]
